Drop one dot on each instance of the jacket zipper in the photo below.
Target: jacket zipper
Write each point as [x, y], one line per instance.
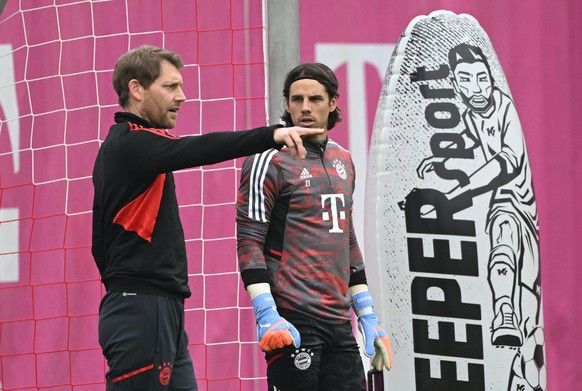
[323, 163]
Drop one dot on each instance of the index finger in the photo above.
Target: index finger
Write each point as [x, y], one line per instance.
[296, 140]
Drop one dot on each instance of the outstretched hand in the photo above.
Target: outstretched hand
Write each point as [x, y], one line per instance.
[292, 137]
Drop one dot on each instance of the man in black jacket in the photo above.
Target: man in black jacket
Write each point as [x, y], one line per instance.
[138, 240]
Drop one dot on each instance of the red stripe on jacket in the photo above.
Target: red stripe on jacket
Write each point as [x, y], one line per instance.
[140, 214]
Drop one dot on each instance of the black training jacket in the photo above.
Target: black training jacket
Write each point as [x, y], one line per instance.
[138, 240]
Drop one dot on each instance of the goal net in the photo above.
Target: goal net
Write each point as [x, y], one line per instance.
[56, 106]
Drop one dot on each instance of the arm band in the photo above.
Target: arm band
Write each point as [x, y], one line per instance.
[255, 276]
[358, 278]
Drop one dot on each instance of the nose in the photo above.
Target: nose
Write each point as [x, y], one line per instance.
[305, 107]
[476, 87]
[180, 96]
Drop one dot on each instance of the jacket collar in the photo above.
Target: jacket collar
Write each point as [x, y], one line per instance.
[125, 116]
[315, 146]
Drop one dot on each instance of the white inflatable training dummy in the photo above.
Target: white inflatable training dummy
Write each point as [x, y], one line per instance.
[451, 220]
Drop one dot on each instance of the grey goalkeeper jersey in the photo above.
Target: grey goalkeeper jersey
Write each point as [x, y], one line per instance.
[294, 220]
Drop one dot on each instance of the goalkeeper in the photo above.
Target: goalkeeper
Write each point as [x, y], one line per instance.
[298, 254]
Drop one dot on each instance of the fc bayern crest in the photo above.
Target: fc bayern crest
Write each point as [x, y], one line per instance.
[302, 358]
[340, 168]
[165, 373]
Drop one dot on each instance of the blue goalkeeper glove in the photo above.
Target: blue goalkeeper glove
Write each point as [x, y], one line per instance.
[376, 340]
[273, 332]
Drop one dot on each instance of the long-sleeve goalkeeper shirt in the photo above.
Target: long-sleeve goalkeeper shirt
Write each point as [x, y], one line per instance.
[295, 231]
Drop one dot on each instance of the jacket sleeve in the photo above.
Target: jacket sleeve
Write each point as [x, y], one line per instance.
[356, 258]
[255, 201]
[154, 151]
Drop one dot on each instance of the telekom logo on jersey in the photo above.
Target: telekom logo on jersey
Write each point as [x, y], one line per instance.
[9, 223]
[336, 212]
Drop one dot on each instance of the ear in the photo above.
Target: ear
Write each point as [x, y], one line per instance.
[332, 104]
[135, 89]
[286, 105]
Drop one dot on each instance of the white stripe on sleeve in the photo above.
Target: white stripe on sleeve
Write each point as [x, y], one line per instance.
[257, 178]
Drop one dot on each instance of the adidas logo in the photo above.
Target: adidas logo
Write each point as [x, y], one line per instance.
[305, 174]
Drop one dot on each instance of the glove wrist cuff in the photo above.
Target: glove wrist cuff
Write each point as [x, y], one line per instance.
[264, 301]
[363, 303]
[365, 311]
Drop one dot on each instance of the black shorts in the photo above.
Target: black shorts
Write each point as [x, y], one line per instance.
[328, 358]
[144, 342]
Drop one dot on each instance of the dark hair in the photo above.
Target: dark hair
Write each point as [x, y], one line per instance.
[142, 64]
[464, 53]
[318, 72]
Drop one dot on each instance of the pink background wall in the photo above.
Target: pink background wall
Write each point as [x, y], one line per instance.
[64, 104]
